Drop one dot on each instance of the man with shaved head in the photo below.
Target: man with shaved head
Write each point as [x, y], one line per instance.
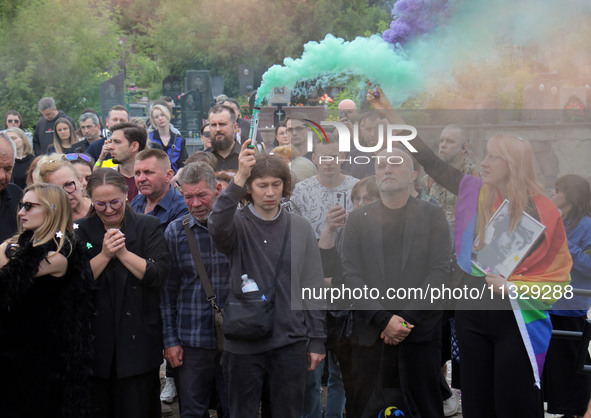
[348, 110]
[399, 243]
[453, 149]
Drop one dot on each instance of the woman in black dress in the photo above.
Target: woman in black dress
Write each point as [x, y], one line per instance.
[45, 311]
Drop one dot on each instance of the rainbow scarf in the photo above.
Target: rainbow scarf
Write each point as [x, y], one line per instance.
[550, 263]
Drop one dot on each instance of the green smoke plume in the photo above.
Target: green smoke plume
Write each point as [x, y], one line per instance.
[371, 57]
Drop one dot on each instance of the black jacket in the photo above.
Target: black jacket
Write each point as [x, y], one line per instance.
[425, 260]
[127, 325]
[8, 210]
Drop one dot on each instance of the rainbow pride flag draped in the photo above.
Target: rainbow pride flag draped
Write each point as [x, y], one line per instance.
[550, 263]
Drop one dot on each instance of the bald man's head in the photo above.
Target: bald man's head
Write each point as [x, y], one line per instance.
[394, 171]
[348, 110]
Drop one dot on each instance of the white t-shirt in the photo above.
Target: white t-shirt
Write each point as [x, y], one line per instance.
[313, 200]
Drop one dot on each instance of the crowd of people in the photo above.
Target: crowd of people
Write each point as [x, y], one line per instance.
[120, 250]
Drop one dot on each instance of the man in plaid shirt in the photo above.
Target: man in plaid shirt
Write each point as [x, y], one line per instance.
[190, 341]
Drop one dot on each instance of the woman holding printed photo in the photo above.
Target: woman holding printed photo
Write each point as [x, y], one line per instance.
[502, 342]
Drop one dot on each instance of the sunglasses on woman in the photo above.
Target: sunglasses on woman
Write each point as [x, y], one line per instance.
[75, 156]
[27, 205]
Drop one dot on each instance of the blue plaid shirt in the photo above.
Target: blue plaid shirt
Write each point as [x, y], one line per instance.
[187, 316]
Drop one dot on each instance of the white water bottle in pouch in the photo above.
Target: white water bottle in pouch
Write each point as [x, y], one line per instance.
[248, 284]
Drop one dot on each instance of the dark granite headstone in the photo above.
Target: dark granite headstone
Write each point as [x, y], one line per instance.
[111, 93]
[176, 116]
[171, 86]
[191, 111]
[137, 110]
[201, 82]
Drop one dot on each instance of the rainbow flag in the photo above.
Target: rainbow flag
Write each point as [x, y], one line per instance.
[549, 263]
[469, 196]
[535, 328]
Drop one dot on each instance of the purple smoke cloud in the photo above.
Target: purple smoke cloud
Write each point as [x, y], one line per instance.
[412, 18]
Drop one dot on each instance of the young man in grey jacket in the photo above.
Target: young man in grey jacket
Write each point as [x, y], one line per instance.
[252, 238]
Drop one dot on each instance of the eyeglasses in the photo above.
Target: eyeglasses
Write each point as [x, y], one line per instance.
[12, 120]
[114, 204]
[206, 134]
[69, 187]
[27, 205]
[75, 156]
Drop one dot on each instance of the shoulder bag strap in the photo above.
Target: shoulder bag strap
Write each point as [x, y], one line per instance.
[209, 293]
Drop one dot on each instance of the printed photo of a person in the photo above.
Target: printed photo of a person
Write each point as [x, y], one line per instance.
[503, 250]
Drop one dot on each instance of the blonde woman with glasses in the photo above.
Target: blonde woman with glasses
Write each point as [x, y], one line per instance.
[62, 173]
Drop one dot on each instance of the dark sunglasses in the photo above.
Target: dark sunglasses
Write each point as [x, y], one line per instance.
[206, 134]
[27, 205]
[75, 156]
[12, 120]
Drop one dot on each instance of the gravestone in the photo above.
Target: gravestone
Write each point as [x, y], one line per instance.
[268, 115]
[176, 116]
[279, 95]
[279, 115]
[217, 85]
[137, 110]
[171, 87]
[245, 79]
[191, 112]
[201, 82]
[111, 93]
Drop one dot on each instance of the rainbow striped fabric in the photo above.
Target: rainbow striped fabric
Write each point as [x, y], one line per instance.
[549, 263]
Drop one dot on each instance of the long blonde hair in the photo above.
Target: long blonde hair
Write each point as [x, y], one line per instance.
[522, 183]
[27, 148]
[57, 215]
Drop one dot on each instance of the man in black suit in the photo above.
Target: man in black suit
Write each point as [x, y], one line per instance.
[398, 243]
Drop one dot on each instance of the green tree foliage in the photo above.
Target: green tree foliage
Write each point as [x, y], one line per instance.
[61, 49]
[65, 48]
[221, 34]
